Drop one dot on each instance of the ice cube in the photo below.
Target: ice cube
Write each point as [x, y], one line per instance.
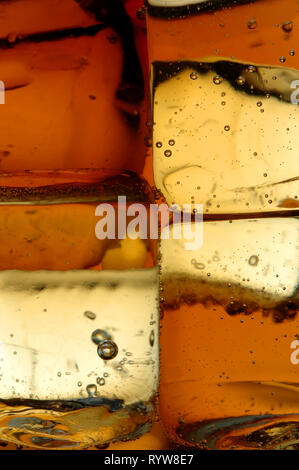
[243, 265]
[44, 319]
[48, 220]
[225, 135]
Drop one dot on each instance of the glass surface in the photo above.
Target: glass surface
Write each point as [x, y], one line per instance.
[224, 82]
[79, 324]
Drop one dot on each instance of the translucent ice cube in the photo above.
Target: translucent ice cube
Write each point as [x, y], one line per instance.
[225, 135]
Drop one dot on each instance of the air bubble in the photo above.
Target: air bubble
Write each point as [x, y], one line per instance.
[100, 381]
[253, 260]
[292, 52]
[282, 59]
[100, 335]
[159, 145]
[217, 80]
[152, 338]
[168, 153]
[227, 127]
[287, 27]
[107, 349]
[240, 80]
[91, 390]
[252, 24]
[171, 142]
[193, 75]
[90, 315]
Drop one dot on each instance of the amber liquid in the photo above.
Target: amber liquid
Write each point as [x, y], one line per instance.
[227, 381]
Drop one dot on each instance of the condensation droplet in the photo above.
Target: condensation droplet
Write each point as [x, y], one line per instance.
[217, 79]
[90, 315]
[107, 349]
[253, 260]
[168, 153]
[193, 75]
[91, 390]
[152, 338]
[287, 26]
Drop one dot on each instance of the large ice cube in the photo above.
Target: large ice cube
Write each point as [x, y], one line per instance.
[48, 340]
[243, 265]
[225, 135]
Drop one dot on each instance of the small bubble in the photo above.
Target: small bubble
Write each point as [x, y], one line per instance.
[99, 335]
[227, 127]
[159, 145]
[171, 142]
[168, 153]
[292, 52]
[259, 104]
[152, 338]
[252, 24]
[253, 260]
[193, 75]
[79, 384]
[251, 68]
[223, 103]
[217, 79]
[107, 349]
[90, 315]
[91, 390]
[59, 374]
[282, 59]
[265, 175]
[287, 26]
[240, 80]
[106, 374]
[100, 381]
